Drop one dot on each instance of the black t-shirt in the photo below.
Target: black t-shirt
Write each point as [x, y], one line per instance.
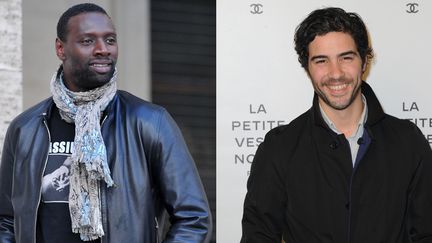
[53, 222]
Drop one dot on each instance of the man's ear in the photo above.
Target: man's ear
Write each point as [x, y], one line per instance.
[365, 64]
[59, 46]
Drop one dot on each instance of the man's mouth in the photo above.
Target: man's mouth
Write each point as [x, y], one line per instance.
[337, 87]
[101, 67]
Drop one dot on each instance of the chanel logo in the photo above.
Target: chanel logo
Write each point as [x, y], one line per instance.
[412, 8]
[256, 8]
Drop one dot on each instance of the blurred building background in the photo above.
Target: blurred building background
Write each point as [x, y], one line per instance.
[167, 54]
[183, 73]
[10, 63]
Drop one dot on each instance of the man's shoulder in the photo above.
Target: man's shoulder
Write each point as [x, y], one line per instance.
[137, 104]
[137, 108]
[290, 131]
[399, 125]
[403, 131]
[34, 112]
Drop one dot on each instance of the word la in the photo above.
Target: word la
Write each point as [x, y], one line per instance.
[407, 107]
[255, 110]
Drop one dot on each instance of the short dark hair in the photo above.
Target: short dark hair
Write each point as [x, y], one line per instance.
[323, 21]
[73, 11]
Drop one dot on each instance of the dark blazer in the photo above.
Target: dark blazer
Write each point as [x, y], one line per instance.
[149, 162]
[304, 189]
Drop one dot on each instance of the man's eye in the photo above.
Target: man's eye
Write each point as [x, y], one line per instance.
[86, 41]
[111, 40]
[319, 61]
[347, 58]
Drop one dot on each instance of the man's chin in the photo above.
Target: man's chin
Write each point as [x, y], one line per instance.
[341, 105]
[336, 105]
[100, 79]
[98, 83]
[90, 80]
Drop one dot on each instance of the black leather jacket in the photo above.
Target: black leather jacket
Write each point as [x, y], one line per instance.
[150, 165]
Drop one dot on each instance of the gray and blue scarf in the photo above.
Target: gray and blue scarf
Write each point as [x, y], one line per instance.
[89, 159]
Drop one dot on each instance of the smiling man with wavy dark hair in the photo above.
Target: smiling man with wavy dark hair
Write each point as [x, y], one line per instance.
[343, 171]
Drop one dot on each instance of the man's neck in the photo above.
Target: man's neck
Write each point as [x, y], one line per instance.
[346, 120]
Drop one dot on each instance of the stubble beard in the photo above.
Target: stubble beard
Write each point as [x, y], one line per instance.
[337, 105]
[89, 79]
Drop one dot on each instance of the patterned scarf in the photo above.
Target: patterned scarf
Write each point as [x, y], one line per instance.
[89, 159]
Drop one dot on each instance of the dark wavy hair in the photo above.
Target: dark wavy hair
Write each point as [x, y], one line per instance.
[323, 21]
[73, 11]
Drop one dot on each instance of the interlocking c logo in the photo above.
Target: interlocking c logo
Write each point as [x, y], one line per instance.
[412, 8]
[256, 8]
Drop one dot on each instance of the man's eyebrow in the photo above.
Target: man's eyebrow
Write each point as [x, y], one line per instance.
[318, 57]
[93, 33]
[348, 53]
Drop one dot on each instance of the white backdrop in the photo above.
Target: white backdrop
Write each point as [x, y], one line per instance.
[260, 83]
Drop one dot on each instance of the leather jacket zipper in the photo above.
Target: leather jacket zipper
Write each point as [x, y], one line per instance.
[102, 218]
[102, 197]
[41, 176]
[157, 229]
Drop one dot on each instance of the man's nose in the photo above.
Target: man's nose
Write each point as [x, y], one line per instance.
[335, 71]
[101, 48]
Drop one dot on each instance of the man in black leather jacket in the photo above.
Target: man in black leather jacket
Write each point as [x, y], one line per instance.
[92, 163]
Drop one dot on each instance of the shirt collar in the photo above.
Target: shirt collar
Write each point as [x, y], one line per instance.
[361, 122]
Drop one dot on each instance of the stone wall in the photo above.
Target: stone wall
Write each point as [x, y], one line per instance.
[10, 63]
